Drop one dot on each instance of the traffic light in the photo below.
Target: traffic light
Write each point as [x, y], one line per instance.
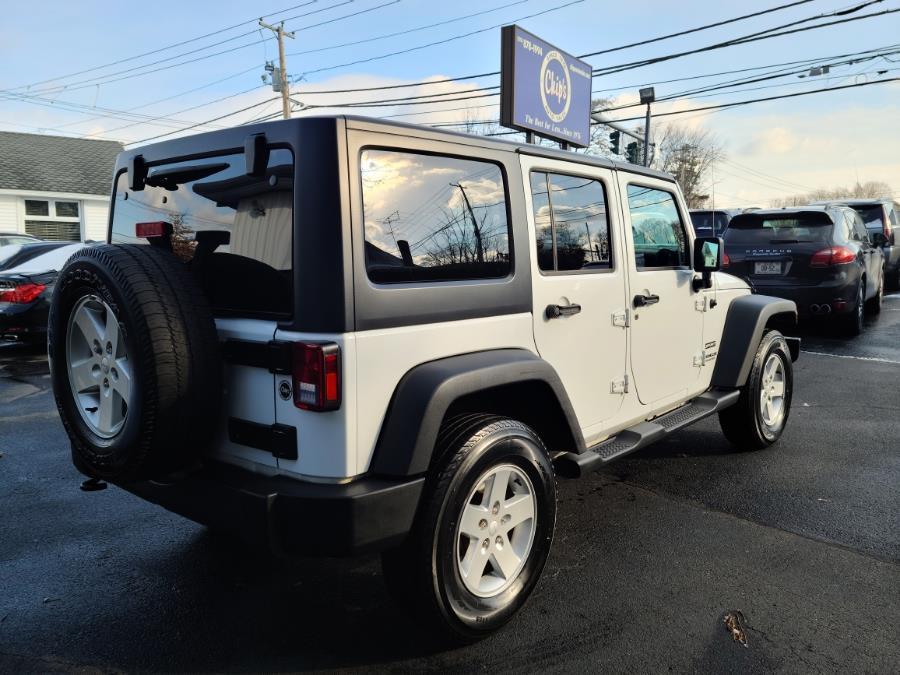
[631, 152]
[614, 139]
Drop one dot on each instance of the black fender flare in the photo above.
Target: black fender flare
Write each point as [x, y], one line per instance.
[425, 393]
[745, 324]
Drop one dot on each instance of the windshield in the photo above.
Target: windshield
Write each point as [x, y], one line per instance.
[26, 253]
[790, 228]
[709, 223]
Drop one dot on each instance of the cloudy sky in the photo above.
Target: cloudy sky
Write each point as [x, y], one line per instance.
[166, 79]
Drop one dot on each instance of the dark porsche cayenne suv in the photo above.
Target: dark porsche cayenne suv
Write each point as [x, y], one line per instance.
[822, 258]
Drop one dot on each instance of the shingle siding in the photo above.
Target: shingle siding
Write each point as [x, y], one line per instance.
[56, 164]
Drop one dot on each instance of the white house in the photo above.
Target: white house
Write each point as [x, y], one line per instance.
[55, 187]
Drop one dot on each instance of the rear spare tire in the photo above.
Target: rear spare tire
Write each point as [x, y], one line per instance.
[134, 362]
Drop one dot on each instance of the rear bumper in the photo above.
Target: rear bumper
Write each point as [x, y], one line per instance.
[289, 516]
[23, 320]
[839, 298]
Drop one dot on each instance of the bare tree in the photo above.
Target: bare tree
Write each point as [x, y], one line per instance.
[688, 154]
[867, 190]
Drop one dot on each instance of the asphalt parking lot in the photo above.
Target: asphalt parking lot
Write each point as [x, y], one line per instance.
[803, 539]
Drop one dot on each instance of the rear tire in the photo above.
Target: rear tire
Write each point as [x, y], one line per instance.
[134, 362]
[758, 419]
[465, 587]
[854, 322]
[873, 305]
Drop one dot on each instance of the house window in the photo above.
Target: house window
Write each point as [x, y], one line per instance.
[56, 220]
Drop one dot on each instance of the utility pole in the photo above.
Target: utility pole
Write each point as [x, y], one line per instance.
[282, 64]
[479, 250]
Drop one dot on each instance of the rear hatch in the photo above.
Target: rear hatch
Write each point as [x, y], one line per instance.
[235, 231]
[776, 249]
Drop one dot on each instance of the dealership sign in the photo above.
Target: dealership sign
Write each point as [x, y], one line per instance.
[543, 89]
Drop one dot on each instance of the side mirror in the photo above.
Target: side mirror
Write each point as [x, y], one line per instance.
[707, 259]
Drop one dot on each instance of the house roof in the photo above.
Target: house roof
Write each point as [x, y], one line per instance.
[56, 163]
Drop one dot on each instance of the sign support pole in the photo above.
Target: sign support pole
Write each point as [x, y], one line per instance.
[647, 138]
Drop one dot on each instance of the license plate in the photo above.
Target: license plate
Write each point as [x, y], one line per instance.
[767, 268]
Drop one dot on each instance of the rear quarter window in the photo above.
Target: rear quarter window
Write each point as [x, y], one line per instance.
[431, 218]
[234, 231]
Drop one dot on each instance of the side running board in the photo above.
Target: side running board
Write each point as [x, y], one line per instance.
[573, 465]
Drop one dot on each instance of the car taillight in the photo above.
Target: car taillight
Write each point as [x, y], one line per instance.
[834, 255]
[156, 228]
[22, 294]
[726, 261]
[317, 376]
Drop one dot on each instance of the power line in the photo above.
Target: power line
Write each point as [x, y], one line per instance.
[439, 42]
[157, 50]
[409, 30]
[110, 78]
[214, 119]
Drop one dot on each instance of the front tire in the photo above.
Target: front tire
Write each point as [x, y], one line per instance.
[483, 532]
[758, 419]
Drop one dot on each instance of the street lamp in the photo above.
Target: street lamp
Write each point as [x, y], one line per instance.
[648, 96]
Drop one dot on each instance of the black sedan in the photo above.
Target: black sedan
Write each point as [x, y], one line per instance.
[820, 257]
[26, 284]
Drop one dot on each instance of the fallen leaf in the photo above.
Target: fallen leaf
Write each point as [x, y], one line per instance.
[734, 622]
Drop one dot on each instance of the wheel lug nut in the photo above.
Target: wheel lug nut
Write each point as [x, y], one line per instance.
[496, 508]
[486, 544]
[482, 523]
[499, 541]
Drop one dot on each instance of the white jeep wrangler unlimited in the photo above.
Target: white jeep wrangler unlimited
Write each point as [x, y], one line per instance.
[337, 335]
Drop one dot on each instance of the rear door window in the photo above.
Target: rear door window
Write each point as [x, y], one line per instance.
[431, 218]
[235, 231]
[571, 223]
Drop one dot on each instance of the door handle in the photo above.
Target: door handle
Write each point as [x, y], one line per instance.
[644, 300]
[556, 311]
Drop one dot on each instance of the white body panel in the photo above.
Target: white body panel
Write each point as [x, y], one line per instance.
[384, 356]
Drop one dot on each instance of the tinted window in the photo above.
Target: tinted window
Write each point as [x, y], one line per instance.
[34, 207]
[571, 225]
[235, 230]
[67, 209]
[872, 215]
[790, 228]
[709, 223]
[433, 218]
[659, 238]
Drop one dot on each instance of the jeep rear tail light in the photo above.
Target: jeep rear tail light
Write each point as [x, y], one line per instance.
[22, 294]
[834, 255]
[317, 376]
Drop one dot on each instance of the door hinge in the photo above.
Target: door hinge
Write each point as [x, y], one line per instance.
[621, 318]
[699, 360]
[700, 304]
[619, 386]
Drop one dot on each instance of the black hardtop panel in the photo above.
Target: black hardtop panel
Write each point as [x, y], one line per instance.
[423, 132]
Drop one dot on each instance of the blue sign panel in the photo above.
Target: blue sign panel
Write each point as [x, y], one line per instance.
[543, 89]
